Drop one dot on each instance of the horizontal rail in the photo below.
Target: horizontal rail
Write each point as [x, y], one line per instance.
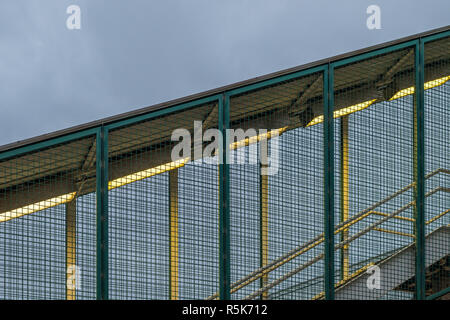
[398, 218]
[399, 233]
[436, 217]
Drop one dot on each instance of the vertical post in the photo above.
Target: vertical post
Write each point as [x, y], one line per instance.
[344, 180]
[264, 226]
[224, 208]
[419, 169]
[173, 242]
[328, 154]
[102, 213]
[71, 276]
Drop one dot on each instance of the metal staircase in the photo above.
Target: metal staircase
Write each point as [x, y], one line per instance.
[397, 266]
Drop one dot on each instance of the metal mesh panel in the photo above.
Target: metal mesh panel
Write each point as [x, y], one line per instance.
[374, 159]
[167, 227]
[45, 238]
[277, 204]
[437, 159]
[198, 230]
[297, 198]
[245, 217]
[86, 245]
[162, 212]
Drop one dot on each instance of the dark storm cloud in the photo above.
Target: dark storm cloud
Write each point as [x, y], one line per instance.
[131, 54]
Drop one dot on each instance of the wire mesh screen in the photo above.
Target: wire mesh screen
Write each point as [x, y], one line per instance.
[373, 107]
[198, 230]
[297, 201]
[162, 211]
[46, 238]
[86, 254]
[276, 191]
[167, 231]
[437, 160]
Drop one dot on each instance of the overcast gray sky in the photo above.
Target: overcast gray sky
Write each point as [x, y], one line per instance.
[130, 54]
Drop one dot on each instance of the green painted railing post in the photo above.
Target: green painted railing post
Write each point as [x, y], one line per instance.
[419, 169]
[102, 213]
[224, 201]
[328, 154]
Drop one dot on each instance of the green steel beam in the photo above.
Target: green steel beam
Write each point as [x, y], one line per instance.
[419, 170]
[224, 201]
[165, 111]
[373, 53]
[102, 214]
[274, 81]
[436, 36]
[48, 143]
[328, 154]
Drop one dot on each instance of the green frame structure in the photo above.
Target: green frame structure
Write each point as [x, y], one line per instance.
[102, 131]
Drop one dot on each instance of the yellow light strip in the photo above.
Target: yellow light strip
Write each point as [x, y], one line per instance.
[146, 173]
[363, 105]
[38, 206]
[179, 163]
[427, 85]
[343, 111]
[45, 204]
[247, 141]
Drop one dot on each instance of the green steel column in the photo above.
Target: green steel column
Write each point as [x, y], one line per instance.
[328, 182]
[102, 213]
[173, 226]
[344, 183]
[264, 227]
[224, 201]
[419, 170]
